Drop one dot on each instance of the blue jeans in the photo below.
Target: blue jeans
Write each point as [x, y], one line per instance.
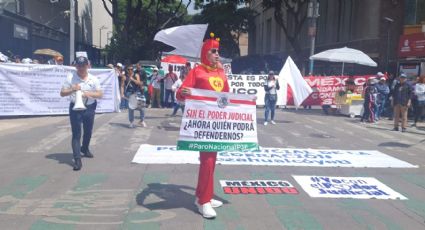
[78, 118]
[380, 108]
[131, 115]
[270, 103]
[169, 93]
[177, 106]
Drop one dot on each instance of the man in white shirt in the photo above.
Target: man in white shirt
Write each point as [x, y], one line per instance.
[90, 87]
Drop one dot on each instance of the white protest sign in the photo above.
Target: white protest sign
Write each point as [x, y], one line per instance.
[347, 187]
[215, 121]
[27, 89]
[166, 154]
[253, 85]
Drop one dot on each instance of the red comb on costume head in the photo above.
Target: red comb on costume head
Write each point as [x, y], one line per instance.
[212, 43]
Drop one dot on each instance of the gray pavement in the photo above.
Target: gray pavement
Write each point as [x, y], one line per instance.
[39, 190]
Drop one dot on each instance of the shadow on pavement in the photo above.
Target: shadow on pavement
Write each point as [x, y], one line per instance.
[394, 144]
[62, 158]
[172, 196]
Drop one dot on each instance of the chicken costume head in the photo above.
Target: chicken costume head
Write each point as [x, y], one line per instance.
[211, 43]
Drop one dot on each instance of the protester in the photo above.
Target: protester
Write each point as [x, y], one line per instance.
[369, 95]
[121, 78]
[144, 81]
[420, 94]
[169, 80]
[383, 91]
[90, 87]
[178, 104]
[271, 85]
[131, 88]
[209, 75]
[401, 102]
[155, 81]
[185, 70]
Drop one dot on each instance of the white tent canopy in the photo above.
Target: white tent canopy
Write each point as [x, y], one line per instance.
[344, 55]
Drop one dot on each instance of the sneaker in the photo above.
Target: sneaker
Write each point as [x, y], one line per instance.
[265, 123]
[394, 129]
[142, 123]
[273, 122]
[413, 125]
[216, 203]
[77, 164]
[403, 130]
[206, 210]
[131, 125]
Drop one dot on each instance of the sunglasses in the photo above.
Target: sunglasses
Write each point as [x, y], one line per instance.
[129, 69]
[214, 51]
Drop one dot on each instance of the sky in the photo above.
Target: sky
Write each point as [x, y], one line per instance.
[191, 9]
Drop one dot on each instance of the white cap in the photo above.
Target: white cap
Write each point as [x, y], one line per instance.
[26, 61]
[155, 68]
[380, 74]
[383, 78]
[119, 65]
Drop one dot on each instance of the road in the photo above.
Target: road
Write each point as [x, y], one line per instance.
[39, 190]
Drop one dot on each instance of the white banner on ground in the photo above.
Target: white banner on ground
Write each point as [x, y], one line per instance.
[214, 121]
[34, 89]
[167, 154]
[347, 187]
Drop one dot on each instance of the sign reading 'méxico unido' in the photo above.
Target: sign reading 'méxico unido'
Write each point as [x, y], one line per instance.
[214, 121]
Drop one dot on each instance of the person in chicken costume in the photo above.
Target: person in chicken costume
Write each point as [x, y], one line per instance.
[209, 75]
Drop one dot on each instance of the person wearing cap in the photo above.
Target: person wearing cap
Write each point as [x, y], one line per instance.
[156, 84]
[383, 91]
[209, 75]
[271, 85]
[402, 95]
[90, 87]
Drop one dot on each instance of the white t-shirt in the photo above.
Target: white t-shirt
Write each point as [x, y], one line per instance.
[420, 91]
[155, 81]
[90, 84]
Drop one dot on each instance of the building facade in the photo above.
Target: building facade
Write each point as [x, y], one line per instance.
[28, 25]
[372, 26]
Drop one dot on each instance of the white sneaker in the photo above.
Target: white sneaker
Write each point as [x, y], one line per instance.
[142, 123]
[273, 122]
[265, 123]
[206, 210]
[216, 203]
[131, 125]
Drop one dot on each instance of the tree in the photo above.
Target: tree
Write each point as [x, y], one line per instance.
[291, 16]
[137, 21]
[228, 20]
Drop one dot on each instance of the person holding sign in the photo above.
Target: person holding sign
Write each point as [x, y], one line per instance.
[209, 75]
[271, 85]
[87, 85]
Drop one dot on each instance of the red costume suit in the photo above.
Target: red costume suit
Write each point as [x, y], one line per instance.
[206, 76]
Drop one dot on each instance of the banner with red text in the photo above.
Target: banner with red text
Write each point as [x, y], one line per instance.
[214, 121]
[325, 88]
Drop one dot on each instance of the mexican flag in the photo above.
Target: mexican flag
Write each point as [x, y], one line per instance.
[216, 121]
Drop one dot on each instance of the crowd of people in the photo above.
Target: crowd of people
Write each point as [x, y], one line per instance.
[396, 98]
[152, 90]
[50, 60]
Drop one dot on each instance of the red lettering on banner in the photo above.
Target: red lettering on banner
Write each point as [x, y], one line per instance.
[260, 190]
[326, 87]
[248, 190]
[290, 190]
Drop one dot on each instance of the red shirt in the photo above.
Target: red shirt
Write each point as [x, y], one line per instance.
[202, 77]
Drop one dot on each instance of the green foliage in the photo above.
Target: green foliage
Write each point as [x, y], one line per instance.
[137, 22]
[228, 20]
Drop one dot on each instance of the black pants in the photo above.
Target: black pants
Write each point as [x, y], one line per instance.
[86, 118]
